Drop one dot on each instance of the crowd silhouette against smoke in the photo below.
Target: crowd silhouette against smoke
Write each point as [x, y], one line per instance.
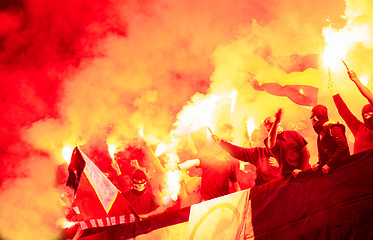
[91, 73]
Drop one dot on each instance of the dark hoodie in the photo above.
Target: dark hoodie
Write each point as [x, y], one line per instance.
[331, 140]
[362, 131]
[332, 144]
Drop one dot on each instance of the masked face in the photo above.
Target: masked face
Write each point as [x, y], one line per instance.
[368, 119]
[139, 186]
[316, 124]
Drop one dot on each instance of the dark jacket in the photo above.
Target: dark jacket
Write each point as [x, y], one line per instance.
[332, 144]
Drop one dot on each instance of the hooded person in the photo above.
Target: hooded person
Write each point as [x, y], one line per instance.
[285, 152]
[362, 130]
[140, 196]
[367, 113]
[332, 143]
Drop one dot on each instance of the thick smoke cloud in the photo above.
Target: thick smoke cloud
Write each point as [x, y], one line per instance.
[78, 72]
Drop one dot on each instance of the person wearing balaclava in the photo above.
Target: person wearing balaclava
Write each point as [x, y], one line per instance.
[362, 130]
[283, 155]
[332, 143]
[140, 196]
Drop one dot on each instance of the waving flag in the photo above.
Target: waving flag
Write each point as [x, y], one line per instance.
[97, 201]
[300, 87]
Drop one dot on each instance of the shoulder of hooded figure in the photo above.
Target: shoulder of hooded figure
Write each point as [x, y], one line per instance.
[330, 126]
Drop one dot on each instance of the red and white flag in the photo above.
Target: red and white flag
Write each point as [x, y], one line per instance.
[97, 202]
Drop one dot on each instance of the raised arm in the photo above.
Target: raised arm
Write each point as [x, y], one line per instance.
[273, 132]
[351, 120]
[363, 89]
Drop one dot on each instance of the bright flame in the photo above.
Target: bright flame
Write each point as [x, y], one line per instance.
[160, 149]
[111, 148]
[301, 91]
[250, 126]
[172, 184]
[199, 114]
[339, 42]
[67, 151]
[64, 223]
[141, 131]
[234, 98]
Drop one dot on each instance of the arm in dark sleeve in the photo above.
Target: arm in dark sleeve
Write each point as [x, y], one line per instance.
[352, 122]
[341, 151]
[244, 154]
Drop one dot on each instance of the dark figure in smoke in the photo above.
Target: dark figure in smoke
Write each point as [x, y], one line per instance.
[332, 144]
[140, 196]
[285, 153]
[219, 174]
[362, 131]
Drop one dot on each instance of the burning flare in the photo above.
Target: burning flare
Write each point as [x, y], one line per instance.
[172, 184]
[160, 149]
[64, 223]
[67, 151]
[340, 42]
[250, 126]
[111, 148]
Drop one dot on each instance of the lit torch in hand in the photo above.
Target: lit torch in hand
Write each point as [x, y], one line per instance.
[344, 63]
[250, 126]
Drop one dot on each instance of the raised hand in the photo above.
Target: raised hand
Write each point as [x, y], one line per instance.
[215, 138]
[352, 75]
[278, 115]
[325, 168]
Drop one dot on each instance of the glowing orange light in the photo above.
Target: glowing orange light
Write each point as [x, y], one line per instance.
[67, 152]
[65, 224]
[199, 114]
[172, 184]
[160, 149]
[301, 91]
[111, 148]
[141, 132]
[339, 43]
[250, 126]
